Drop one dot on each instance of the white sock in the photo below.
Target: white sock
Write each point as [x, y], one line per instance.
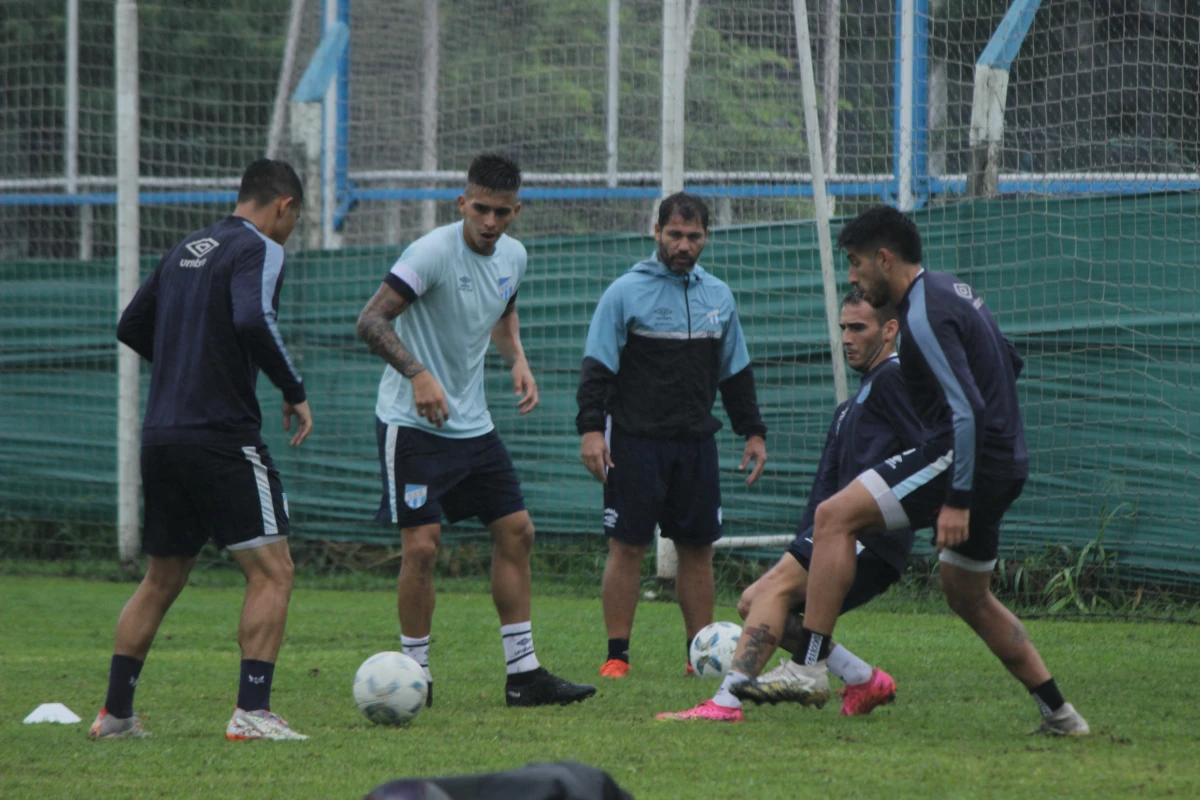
[849, 667]
[417, 650]
[724, 697]
[518, 647]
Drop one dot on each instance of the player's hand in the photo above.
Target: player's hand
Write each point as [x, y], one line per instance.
[595, 455]
[953, 526]
[524, 387]
[304, 422]
[756, 451]
[430, 398]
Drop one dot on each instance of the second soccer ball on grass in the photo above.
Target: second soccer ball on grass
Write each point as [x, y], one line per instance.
[713, 647]
[390, 688]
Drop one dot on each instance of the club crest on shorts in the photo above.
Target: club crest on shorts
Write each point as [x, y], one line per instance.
[415, 496]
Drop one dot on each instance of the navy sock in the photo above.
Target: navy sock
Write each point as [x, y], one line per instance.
[813, 647]
[122, 680]
[254, 691]
[1048, 697]
[618, 649]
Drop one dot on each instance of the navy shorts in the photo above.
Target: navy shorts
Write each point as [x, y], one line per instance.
[673, 484]
[194, 493]
[426, 476]
[910, 489]
[872, 577]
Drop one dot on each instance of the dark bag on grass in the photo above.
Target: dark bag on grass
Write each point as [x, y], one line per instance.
[564, 780]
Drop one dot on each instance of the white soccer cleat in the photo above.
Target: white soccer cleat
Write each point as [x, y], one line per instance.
[107, 726]
[1064, 722]
[790, 682]
[260, 724]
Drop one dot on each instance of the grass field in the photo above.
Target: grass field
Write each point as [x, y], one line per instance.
[958, 728]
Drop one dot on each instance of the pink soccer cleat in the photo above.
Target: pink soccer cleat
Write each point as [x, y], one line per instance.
[861, 698]
[707, 711]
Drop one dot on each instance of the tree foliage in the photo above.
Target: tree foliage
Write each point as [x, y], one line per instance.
[1096, 85]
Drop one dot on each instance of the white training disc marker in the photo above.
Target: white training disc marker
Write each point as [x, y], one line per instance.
[52, 712]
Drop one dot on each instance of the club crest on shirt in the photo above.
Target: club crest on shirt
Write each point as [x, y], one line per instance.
[863, 394]
[713, 315]
[415, 496]
[506, 288]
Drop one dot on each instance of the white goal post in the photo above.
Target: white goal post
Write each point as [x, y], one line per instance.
[666, 559]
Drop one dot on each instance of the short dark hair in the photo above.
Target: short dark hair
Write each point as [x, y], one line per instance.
[494, 172]
[685, 206]
[855, 297]
[266, 180]
[883, 226]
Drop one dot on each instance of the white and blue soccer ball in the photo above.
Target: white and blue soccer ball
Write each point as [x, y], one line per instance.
[390, 688]
[713, 648]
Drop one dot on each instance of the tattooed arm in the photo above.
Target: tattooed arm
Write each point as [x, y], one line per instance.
[376, 329]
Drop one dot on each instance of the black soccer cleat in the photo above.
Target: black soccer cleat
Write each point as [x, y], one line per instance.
[429, 695]
[542, 688]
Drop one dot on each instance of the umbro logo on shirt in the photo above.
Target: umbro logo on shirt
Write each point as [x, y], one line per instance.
[198, 248]
[965, 293]
[465, 284]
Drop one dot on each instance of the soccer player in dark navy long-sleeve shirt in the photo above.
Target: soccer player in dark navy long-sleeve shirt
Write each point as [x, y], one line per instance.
[877, 422]
[972, 466]
[206, 320]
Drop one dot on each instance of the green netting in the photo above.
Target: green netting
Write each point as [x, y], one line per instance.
[1100, 295]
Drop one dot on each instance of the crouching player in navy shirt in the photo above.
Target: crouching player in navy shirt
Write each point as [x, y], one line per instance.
[665, 337]
[877, 422]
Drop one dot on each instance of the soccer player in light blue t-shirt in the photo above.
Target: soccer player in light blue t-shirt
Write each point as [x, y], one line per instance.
[450, 292]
